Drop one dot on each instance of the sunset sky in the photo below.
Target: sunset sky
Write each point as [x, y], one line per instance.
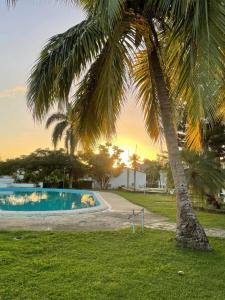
[23, 32]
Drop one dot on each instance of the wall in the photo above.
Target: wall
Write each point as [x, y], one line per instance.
[126, 179]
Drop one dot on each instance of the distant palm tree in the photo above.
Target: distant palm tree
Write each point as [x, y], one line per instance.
[65, 127]
[134, 159]
[204, 172]
[165, 45]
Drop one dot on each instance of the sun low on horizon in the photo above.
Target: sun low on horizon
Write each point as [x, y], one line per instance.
[18, 132]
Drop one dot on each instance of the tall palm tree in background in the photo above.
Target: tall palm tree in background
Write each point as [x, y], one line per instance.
[134, 159]
[66, 128]
[164, 46]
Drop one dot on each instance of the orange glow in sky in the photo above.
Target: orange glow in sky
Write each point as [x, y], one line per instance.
[130, 146]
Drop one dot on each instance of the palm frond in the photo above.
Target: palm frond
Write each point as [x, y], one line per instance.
[109, 13]
[204, 172]
[54, 118]
[58, 132]
[195, 58]
[221, 105]
[64, 57]
[147, 94]
[194, 134]
[100, 95]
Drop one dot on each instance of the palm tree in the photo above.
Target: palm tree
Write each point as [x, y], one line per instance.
[214, 140]
[134, 158]
[164, 45]
[65, 127]
[204, 173]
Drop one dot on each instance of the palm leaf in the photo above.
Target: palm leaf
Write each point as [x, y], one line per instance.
[196, 59]
[109, 12]
[100, 95]
[147, 94]
[54, 118]
[58, 132]
[64, 57]
[204, 172]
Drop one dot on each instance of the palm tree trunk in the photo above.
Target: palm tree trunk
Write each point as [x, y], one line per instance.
[189, 232]
[71, 172]
[70, 181]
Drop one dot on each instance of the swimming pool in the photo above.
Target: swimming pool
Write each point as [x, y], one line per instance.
[42, 200]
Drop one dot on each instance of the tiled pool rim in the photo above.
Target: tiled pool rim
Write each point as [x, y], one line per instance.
[103, 205]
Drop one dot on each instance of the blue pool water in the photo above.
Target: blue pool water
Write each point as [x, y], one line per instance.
[37, 199]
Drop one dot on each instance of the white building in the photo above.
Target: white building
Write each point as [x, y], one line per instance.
[127, 178]
[6, 181]
[9, 182]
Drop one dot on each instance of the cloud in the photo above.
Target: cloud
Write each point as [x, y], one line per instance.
[19, 89]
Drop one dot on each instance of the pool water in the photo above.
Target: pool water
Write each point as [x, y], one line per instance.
[45, 199]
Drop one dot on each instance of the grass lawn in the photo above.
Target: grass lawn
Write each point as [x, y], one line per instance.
[165, 205]
[107, 265]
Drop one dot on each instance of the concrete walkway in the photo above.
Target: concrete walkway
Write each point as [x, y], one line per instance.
[116, 216]
[215, 232]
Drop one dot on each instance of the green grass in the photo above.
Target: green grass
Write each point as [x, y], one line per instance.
[165, 205]
[107, 265]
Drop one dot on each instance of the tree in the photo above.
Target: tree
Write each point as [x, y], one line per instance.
[104, 164]
[66, 127]
[66, 123]
[204, 174]
[134, 159]
[166, 45]
[212, 135]
[152, 169]
[44, 165]
[214, 139]
[10, 166]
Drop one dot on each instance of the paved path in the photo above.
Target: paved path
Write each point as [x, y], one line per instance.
[215, 232]
[115, 217]
[152, 220]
